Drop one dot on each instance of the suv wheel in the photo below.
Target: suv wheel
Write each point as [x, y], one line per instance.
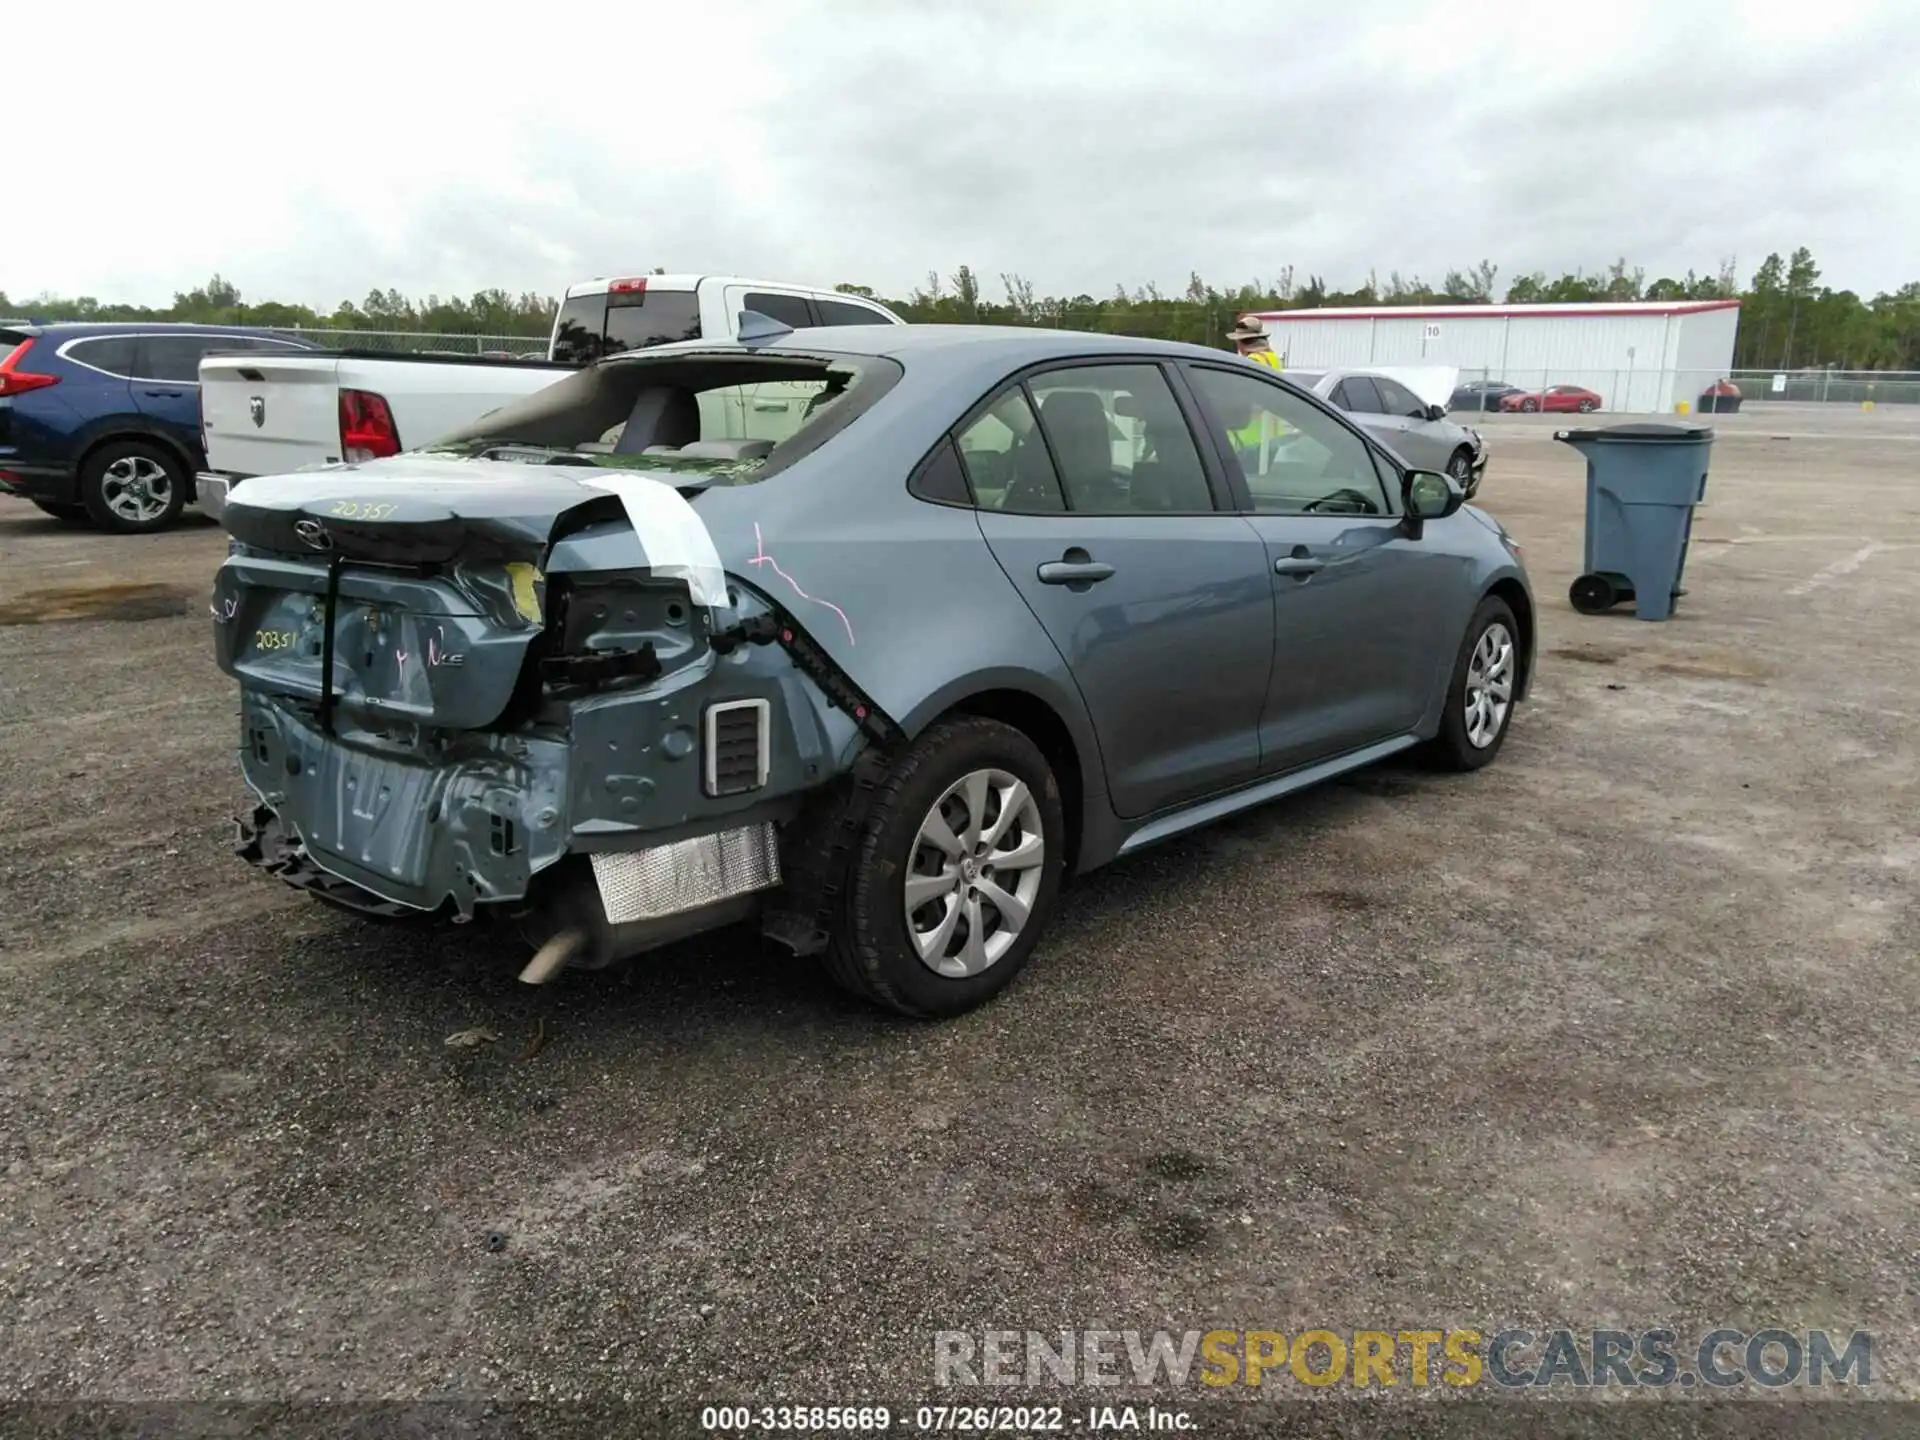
[956, 874]
[1480, 696]
[132, 487]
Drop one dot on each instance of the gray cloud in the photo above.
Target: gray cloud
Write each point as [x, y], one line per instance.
[1085, 143]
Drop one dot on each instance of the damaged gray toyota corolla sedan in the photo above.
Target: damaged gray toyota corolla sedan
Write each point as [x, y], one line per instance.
[872, 635]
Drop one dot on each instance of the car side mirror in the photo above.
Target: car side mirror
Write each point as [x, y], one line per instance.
[1430, 495]
[1436, 412]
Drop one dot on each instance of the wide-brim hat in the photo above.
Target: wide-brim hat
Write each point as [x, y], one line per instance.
[1248, 329]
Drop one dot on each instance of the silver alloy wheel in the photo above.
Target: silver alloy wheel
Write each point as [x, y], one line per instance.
[137, 489]
[1460, 466]
[1489, 686]
[962, 914]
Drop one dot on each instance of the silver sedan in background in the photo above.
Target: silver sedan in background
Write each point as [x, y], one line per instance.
[1417, 431]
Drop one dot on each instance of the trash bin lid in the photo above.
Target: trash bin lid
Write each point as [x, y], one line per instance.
[1640, 432]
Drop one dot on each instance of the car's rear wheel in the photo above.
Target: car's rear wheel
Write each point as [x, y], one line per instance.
[956, 873]
[71, 514]
[1481, 694]
[133, 487]
[1585, 407]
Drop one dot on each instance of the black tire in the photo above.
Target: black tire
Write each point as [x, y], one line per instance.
[1454, 747]
[67, 514]
[1529, 406]
[105, 473]
[871, 954]
[1593, 594]
[1460, 466]
[1585, 407]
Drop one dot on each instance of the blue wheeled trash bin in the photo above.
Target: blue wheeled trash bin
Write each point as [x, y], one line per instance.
[1643, 481]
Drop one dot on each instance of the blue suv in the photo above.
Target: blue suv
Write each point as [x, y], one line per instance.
[100, 424]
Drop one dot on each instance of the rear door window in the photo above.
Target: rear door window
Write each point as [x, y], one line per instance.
[787, 309]
[1119, 441]
[1356, 396]
[1007, 462]
[839, 312]
[112, 353]
[175, 358]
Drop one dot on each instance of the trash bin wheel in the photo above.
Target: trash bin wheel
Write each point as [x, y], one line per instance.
[1592, 594]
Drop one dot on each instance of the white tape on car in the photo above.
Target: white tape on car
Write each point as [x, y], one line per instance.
[676, 540]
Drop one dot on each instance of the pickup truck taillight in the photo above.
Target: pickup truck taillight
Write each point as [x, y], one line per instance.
[367, 431]
[14, 380]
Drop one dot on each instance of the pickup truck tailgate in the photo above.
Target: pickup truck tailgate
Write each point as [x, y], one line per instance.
[268, 414]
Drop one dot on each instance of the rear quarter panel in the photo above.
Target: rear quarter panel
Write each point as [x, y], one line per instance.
[903, 593]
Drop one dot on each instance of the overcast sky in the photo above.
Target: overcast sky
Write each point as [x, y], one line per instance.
[1078, 142]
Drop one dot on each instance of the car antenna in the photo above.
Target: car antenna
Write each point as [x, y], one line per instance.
[755, 326]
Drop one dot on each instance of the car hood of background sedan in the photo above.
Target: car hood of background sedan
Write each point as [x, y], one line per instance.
[1432, 383]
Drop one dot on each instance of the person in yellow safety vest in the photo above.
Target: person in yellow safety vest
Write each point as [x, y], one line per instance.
[1250, 340]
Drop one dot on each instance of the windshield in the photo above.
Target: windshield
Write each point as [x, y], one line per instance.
[725, 418]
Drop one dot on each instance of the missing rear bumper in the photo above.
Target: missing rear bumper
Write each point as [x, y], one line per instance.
[651, 884]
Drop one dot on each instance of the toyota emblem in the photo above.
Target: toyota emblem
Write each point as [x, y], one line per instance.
[257, 408]
[313, 534]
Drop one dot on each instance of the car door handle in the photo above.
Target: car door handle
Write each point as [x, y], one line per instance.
[164, 394]
[1298, 566]
[1074, 572]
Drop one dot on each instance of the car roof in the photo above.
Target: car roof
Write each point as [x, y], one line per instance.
[140, 327]
[688, 280]
[1017, 345]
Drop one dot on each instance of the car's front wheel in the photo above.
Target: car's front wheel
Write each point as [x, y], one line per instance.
[1481, 694]
[1460, 465]
[956, 873]
[133, 487]
[1529, 405]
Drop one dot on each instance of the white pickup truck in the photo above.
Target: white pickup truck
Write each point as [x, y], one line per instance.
[268, 414]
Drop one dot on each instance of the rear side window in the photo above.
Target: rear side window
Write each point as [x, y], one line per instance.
[1007, 462]
[839, 312]
[174, 358]
[1356, 396]
[111, 353]
[787, 309]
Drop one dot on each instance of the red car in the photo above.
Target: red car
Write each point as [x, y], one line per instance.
[1554, 397]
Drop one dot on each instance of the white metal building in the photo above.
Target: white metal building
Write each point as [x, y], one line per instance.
[1640, 356]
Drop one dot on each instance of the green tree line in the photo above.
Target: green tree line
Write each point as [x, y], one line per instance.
[1788, 318]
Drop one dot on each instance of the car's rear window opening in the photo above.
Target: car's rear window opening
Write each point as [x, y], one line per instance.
[591, 326]
[725, 418]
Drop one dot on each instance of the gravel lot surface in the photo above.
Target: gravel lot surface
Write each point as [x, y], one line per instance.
[1619, 1032]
